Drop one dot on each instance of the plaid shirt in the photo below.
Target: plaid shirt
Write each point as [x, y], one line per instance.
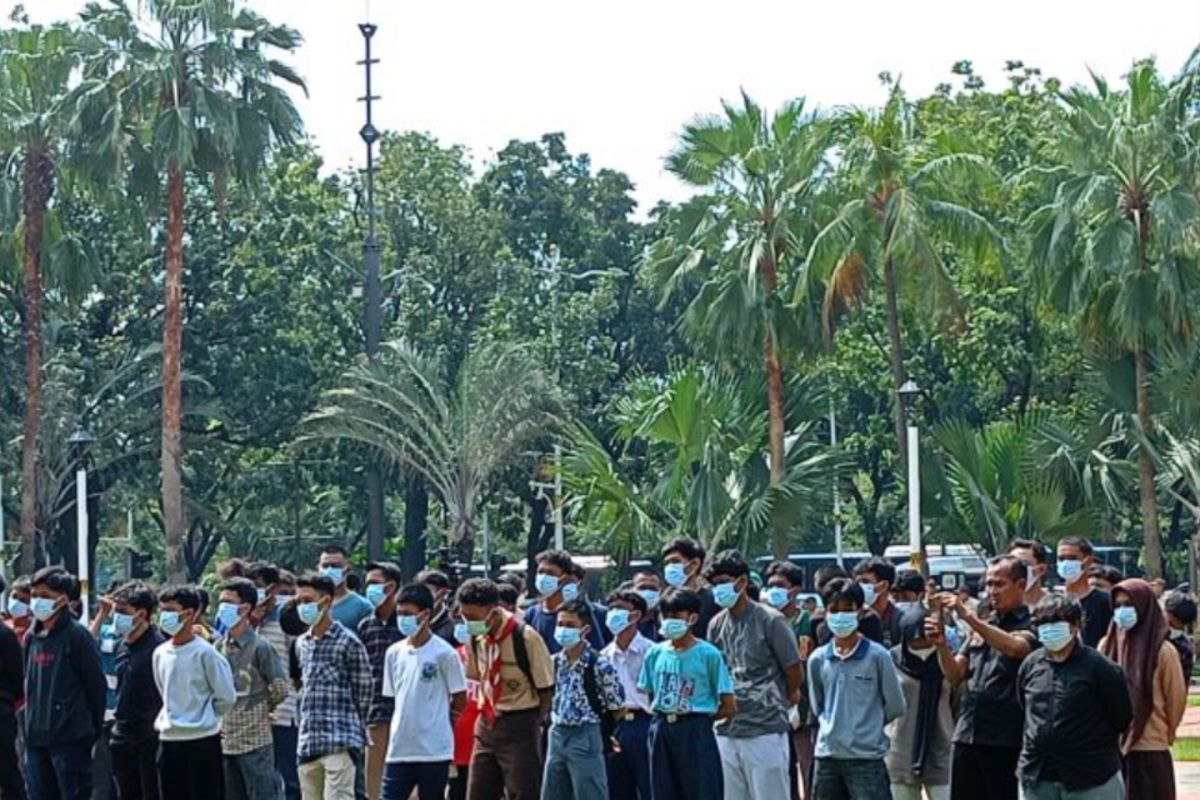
[377, 636]
[335, 693]
[262, 684]
[571, 706]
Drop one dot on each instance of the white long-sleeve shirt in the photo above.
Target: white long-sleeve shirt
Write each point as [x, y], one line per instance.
[197, 688]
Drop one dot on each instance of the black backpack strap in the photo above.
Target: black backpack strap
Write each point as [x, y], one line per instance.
[521, 654]
[591, 687]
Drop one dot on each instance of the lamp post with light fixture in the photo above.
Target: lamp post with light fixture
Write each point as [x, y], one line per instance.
[81, 442]
[908, 395]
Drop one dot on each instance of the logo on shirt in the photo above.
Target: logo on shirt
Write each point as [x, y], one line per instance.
[675, 693]
[428, 672]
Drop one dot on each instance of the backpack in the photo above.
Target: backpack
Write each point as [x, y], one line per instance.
[521, 654]
[592, 689]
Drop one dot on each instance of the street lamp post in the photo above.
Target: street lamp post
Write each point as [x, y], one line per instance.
[81, 442]
[908, 395]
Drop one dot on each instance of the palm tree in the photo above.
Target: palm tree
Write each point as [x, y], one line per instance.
[736, 244]
[36, 64]
[455, 431]
[191, 90]
[1115, 244]
[905, 202]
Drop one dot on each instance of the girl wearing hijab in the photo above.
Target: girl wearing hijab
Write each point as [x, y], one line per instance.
[1137, 640]
[919, 756]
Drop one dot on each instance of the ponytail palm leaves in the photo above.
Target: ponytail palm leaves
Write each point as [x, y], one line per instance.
[454, 431]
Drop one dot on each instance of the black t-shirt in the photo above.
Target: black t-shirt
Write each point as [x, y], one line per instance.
[708, 610]
[1097, 613]
[990, 714]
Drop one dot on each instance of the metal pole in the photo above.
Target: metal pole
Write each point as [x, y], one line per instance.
[3, 536]
[372, 293]
[487, 547]
[558, 511]
[838, 547]
[914, 500]
[81, 540]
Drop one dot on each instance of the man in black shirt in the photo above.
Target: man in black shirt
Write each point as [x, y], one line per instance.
[1075, 558]
[12, 689]
[442, 624]
[1076, 705]
[683, 563]
[134, 741]
[877, 576]
[987, 737]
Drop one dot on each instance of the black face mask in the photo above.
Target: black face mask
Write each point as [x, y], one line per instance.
[289, 620]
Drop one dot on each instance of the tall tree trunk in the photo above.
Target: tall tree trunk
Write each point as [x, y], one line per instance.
[892, 304]
[174, 523]
[36, 177]
[416, 516]
[775, 420]
[1146, 470]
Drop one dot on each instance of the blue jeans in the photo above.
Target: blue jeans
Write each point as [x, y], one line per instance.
[1112, 789]
[575, 764]
[629, 770]
[59, 773]
[429, 778]
[851, 779]
[286, 738]
[252, 776]
[685, 763]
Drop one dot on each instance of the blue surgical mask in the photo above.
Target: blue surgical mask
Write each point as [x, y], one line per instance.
[675, 574]
[650, 596]
[567, 637]
[905, 607]
[617, 620]
[17, 609]
[122, 623]
[776, 597]
[335, 574]
[842, 623]
[309, 613]
[43, 608]
[674, 628]
[170, 622]
[1054, 635]
[868, 590]
[228, 614]
[377, 593]
[546, 585]
[570, 592]
[1125, 617]
[462, 634]
[726, 594]
[408, 624]
[1070, 569]
[282, 600]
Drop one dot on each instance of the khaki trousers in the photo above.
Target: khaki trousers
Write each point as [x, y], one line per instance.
[329, 777]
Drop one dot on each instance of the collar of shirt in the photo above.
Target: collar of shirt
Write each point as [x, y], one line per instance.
[637, 646]
[585, 657]
[859, 651]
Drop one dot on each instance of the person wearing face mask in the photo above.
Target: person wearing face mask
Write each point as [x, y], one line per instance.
[683, 563]
[649, 585]
[134, 741]
[12, 689]
[629, 764]
[335, 695]
[464, 723]
[107, 639]
[1077, 708]
[262, 684]
[587, 696]
[349, 607]
[877, 576]
[1180, 609]
[1035, 556]
[1075, 558]
[869, 624]
[918, 760]
[1137, 642]
[690, 689]
[379, 632]
[197, 689]
[425, 681]
[277, 587]
[764, 659]
[442, 623]
[556, 583]
[855, 693]
[19, 620]
[64, 693]
[784, 582]
[516, 682]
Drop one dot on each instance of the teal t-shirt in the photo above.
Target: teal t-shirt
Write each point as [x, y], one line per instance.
[687, 682]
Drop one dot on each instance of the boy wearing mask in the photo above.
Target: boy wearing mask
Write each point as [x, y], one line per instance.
[349, 607]
[134, 740]
[379, 632]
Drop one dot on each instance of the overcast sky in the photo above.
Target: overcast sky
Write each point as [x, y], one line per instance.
[621, 77]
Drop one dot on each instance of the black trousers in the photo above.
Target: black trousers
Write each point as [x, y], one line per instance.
[192, 770]
[979, 772]
[684, 761]
[135, 768]
[12, 783]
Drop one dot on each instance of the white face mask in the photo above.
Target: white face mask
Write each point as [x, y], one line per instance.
[923, 653]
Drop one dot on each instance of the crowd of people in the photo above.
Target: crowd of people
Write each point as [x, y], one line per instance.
[705, 680]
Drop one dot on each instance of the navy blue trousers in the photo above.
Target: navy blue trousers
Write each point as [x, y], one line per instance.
[629, 770]
[684, 761]
[429, 778]
[59, 773]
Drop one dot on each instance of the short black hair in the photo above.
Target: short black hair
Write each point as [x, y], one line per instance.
[674, 600]
[56, 579]
[579, 608]
[1182, 606]
[187, 596]
[1057, 607]
[1037, 548]
[389, 570]
[843, 589]
[881, 568]
[630, 597]
[1106, 572]
[792, 573]
[557, 558]
[1083, 544]
[233, 568]
[416, 594]
[651, 571]
[512, 579]
[333, 548]
[263, 571]
[827, 573]
[22, 584]
[509, 595]
[478, 592]
[246, 591]
[138, 595]
[318, 583]
[433, 577]
[727, 563]
[685, 546]
[1018, 570]
[579, 571]
[204, 598]
[909, 580]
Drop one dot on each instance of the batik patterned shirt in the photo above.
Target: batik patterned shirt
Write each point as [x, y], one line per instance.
[571, 707]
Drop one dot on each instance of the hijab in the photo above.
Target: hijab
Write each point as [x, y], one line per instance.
[1136, 650]
[928, 674]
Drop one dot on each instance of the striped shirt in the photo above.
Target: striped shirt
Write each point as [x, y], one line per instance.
[377, 636]
[335, 693]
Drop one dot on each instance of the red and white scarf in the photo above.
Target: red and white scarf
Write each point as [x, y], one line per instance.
[489, 687]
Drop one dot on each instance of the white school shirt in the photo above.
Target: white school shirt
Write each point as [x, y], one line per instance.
[628, 664]
[422, 679]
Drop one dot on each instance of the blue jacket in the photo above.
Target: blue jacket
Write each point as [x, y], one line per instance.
[853, 699]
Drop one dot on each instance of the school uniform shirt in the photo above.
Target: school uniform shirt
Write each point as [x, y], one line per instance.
[420, 682]
[544, 622]
[689, 681]
[571, 707]
[197, 688]
[138, 700]
[628, 664]
[516, 693]
[854, 697]
[335, 693]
